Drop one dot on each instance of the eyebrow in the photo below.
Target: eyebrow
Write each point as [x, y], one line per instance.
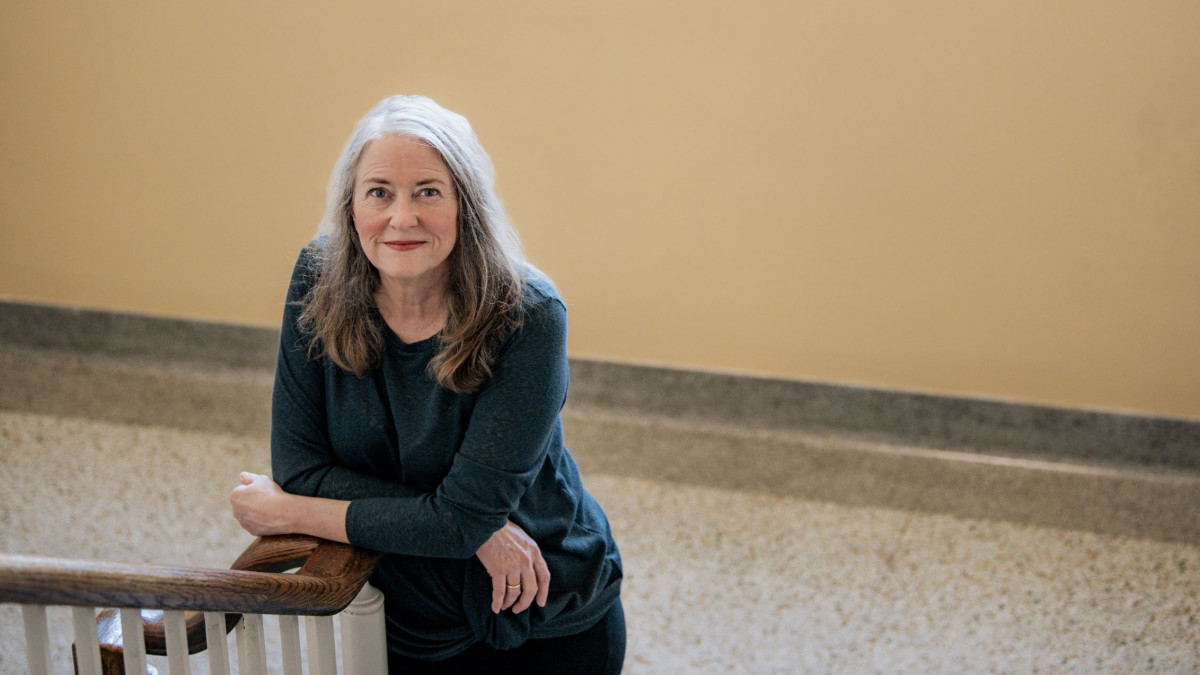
[425, 181]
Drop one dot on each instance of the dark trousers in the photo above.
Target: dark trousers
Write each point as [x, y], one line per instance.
[599, 650]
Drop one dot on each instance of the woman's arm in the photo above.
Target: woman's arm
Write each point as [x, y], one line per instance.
[511, 557]
[262, 508]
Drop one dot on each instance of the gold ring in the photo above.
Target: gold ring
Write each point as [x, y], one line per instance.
[511, 587]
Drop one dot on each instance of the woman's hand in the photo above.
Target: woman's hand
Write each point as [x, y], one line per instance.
[261, 506]
[519, 573]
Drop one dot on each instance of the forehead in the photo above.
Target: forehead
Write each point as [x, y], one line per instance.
[396, 153]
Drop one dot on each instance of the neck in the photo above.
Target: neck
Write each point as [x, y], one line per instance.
[413, 311]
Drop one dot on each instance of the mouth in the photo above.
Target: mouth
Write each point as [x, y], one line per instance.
[402, 245]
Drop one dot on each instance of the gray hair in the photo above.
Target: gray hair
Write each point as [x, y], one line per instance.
[452, 136]
[487, 265]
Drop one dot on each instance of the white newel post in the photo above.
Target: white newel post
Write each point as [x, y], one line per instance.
[364, 640]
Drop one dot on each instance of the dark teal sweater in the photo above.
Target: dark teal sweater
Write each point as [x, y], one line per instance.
[432, 474]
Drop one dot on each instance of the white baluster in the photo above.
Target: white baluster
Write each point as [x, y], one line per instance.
[289, 638]
[252, 648]
[322, 655]
[177, 649]
[218, 644]
[133, 639]
[37, 639]
[364, 642]
[87, 646]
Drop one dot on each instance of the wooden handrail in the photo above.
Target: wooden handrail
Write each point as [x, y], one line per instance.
[325, 583]
[330, 576]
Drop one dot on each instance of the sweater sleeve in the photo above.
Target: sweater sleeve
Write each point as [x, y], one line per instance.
[507, 439]
[302, 460]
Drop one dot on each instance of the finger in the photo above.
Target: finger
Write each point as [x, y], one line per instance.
[543, 581]
[235, 496]
[498, 582]
[512, 592]
[246, 477]
[529, 590]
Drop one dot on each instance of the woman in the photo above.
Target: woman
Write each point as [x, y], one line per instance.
[421, 371]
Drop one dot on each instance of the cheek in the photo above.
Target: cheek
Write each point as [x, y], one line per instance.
[362, 220]
[450, 225]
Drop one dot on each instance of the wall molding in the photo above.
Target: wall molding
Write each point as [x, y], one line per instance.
[896, 417]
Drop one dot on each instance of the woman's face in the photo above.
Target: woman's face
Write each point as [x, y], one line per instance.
[405, 211]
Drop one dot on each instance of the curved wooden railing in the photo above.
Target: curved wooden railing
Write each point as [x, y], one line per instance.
[329, 577]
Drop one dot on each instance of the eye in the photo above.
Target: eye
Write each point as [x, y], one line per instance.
[428, 192]
[377, 192]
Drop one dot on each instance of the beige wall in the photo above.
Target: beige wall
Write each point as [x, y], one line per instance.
[984, 198]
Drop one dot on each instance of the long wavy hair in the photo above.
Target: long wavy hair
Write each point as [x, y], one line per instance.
[486, 264]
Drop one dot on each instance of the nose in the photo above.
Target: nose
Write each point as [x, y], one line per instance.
[402, 214]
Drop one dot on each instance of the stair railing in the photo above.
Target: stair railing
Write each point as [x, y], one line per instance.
[177, 611]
